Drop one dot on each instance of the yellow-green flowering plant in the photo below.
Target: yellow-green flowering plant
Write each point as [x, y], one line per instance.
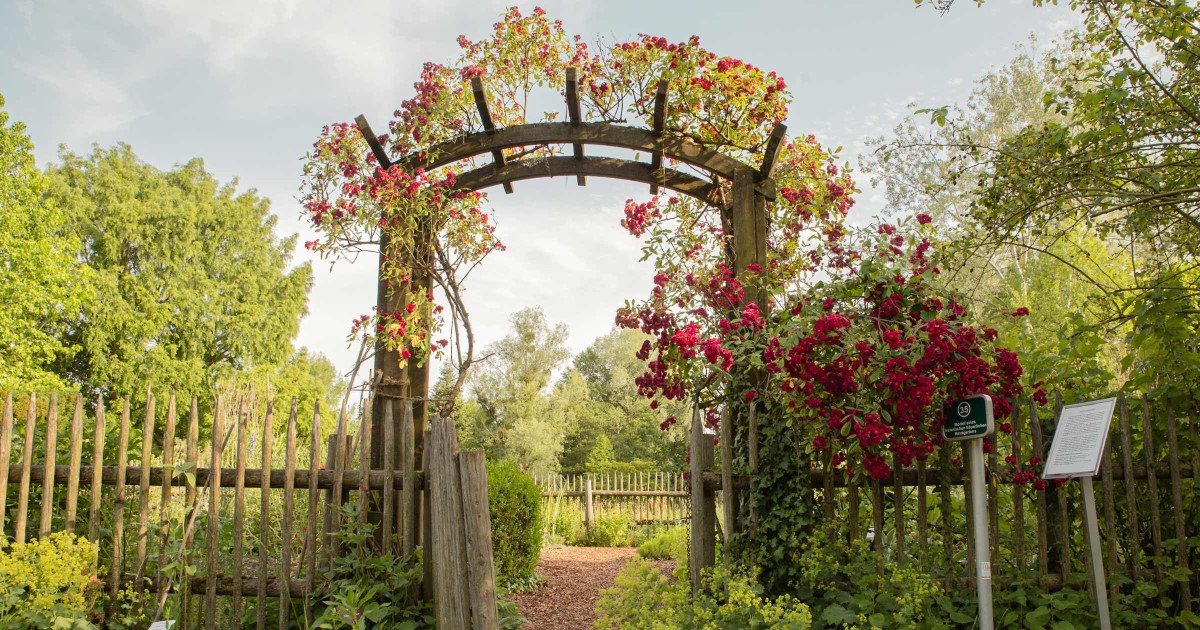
[48, 583]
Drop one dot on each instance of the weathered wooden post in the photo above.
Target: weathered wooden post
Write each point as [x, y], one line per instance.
[589, 514]
[729, 499]
[704, 515]
[391, 380]
[749, 222]
[481, 572]
[449, 555]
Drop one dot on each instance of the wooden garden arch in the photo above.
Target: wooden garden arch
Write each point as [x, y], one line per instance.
[743, 215]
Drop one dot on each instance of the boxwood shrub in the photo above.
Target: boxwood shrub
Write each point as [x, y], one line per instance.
[514, 502]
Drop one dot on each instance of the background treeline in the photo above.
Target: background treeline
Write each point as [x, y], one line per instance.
[588, 418]
[116, 275]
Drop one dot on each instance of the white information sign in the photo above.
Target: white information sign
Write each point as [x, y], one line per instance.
[1079, 439]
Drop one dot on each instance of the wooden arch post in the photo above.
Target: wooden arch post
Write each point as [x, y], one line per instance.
[745, 218]
[749, 223]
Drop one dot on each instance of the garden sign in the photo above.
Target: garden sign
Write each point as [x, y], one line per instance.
[971, 419]
[1077, 450]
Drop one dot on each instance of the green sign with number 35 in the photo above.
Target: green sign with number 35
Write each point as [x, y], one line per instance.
[969, 418]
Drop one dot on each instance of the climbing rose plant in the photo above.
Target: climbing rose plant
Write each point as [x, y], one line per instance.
[719, 101]
[857, 342]
[860, 346]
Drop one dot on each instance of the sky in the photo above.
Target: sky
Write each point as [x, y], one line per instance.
[247, 86]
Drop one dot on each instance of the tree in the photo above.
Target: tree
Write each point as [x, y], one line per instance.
[601, 455]
[1063, 278]
[41, 283]
[190, 281]
[605, 405]
[311, 379]
[510, 418]
[1123, 163]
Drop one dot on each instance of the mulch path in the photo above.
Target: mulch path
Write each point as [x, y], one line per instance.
[574, 578]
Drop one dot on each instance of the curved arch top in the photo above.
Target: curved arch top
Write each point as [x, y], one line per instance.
[614, 168]
[604, 134]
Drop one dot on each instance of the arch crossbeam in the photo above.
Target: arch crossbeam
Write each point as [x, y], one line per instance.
[603, 134]
[614, 168]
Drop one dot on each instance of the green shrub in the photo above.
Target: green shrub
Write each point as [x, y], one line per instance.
[514, 501]
[668, 544]
[643, 532]
[612, 530]
[48, 583]
[645, 598]
[510, 616]
[853, 588]
[898, 596]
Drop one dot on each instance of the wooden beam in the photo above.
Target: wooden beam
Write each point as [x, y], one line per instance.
[377, 149]
[658, 124]
[772, 151]
[743, 223]
[612, 168]
[749, 231]
[704, 517]
[575, 116]
[274, 478]
[603, 134]
[485, 116]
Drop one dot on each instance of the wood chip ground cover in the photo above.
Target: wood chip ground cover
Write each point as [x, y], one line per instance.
[574, 578]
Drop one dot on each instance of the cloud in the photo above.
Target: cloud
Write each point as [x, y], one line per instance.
[354, 53]
[90, 101]
[99, 58]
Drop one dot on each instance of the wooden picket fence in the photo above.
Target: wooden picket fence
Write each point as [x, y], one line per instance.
[1148, 499]
[174, 505]
[1148, 502]
[646, 497]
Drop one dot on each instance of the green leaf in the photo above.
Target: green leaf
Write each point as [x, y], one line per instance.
[837, 614]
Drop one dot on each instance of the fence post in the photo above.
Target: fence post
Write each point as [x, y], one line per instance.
[480, 569]
[331, 443]
[450, 599]
[589, 514]
[427, 545]
[408, 499]
[704, 509]
[729, 502]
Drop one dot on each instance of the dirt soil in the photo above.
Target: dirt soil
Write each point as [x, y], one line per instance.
[574, 578]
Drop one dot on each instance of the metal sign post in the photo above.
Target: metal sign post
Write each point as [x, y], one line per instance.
[971, 419]
[1077, 450]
